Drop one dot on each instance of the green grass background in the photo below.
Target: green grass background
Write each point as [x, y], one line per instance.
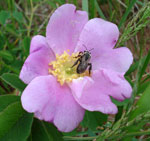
[20, 20]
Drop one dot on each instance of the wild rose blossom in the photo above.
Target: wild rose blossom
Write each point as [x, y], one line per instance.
[55, 92]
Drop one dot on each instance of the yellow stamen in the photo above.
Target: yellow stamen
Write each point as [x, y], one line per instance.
[61, 68]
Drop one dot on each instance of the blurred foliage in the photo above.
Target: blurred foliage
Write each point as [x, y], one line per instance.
[21, 20]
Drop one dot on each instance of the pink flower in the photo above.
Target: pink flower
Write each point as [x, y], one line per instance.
[56, 93]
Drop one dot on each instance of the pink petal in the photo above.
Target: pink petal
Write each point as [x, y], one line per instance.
[101, 36]
[64, 28]
[112, 83]
[98, 34]
[37, 43]
[94, 93]
[90, 97]
[37, 62]
[118, 60]
[53, 103]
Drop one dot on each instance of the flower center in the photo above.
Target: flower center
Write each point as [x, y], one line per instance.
[62, 68]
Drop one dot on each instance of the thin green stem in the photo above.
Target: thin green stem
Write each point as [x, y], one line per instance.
[33, 9]
[79, 138]
[31, 18]
[133, 134]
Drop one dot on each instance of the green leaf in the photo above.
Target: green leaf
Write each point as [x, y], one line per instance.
[15, 123]
[75, 2]
[36, 0]
[8, 100]
[119, 114]
[52, 4]
[17, 64]
[145, 64]
[6, 55]
[140, 70]
[118, 103]
[21, 130]
[142, 87]
[135, 65]
[73, 133]
[26, 45]
[43, 131]
[11, 30]
[4, 15]
[18, 16]
[9, 116]
[140, 3]
[60, 1]
[2, 40]
[142, 104]
[93, 119]
[14, 81]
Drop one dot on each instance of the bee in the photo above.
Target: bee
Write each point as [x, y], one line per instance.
[84, 61]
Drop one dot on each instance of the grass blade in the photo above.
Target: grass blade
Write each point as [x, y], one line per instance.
[99, 10]
[145, 64]
[91, 9]
[123, 19]
[85, 6]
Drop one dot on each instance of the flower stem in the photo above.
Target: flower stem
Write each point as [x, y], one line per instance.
[132, 134]
[79, 138]
[31, 17]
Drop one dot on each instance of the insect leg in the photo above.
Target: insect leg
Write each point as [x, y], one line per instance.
[79, 55]
[76, 62]
[90, 68]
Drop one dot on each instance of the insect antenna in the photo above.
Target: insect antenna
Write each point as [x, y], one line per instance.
[85, 46]
[91, 49]
[87, 49]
